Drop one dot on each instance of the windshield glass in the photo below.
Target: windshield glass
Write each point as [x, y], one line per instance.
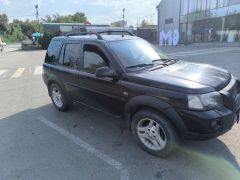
[132, 53]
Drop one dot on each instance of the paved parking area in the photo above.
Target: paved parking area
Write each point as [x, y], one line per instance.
[38, 142]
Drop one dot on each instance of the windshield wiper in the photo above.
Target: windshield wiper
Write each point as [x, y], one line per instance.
[139, 65]
[165, 61]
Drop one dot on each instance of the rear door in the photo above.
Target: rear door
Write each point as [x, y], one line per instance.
[101, 93]
[69, 66]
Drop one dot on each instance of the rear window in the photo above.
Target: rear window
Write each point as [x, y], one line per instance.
[53, 52]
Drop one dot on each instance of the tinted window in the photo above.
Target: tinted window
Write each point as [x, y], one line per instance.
[93, 58]
[53, 51]
[72, 55]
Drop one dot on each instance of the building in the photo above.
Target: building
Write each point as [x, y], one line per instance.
[63, 28]
[189, 21]
[148, 33]
[119, 23]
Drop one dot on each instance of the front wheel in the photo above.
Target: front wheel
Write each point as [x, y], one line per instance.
[154, 133]
[59, 98]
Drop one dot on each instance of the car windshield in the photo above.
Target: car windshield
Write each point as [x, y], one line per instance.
[137, 53]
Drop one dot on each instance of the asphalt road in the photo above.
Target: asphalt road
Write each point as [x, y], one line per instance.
[37, 142]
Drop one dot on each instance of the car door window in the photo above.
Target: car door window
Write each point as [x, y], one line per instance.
[53, 52]
[93, 58]
[72, 55]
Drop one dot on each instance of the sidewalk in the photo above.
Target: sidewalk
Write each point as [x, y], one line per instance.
[206, 45]
[199, 46]
[12, 47]
[215, 44]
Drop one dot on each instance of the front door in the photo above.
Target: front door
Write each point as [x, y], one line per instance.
[101, 93]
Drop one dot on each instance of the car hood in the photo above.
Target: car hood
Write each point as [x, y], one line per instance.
[186, 77]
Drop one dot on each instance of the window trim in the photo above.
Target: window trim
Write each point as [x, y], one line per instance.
[63, 47]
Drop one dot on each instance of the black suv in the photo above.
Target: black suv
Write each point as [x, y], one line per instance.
[162, 99]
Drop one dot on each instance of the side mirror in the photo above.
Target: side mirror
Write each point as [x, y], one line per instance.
[106, 72]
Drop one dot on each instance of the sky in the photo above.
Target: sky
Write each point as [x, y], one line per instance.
[97, 11]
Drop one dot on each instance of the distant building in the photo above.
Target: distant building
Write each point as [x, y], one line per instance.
[148, 33]
[188, 21]
[63, 28]
[119, 24]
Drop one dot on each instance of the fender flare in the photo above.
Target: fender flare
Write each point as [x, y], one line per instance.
[163, 107]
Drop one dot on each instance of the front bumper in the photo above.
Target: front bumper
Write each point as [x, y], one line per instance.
[207, 124]
[201, 125]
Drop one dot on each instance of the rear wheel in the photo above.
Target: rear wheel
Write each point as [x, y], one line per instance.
[59, 99]
[154, 133]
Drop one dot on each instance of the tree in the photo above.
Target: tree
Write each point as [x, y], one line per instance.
[78, 17]
[48, 18]
[145, 23]
[4, 27]
[18, 30]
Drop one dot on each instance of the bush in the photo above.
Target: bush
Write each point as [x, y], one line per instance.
[45, 40]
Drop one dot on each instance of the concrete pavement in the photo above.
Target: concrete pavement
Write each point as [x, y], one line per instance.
[38, 142]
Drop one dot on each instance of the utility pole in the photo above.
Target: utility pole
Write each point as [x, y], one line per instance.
[37, 16]
[123, 17]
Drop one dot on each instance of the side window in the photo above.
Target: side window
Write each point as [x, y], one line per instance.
[72, 55]
[93, 58]
[53, 52]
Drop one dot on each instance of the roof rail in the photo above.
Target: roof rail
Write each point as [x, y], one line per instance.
[84, 33]
[116, 31]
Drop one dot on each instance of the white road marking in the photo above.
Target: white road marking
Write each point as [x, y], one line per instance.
[2, 72]
[112, 162]
[38, 70]
[18, 72]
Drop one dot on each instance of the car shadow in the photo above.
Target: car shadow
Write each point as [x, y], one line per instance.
[206, 158]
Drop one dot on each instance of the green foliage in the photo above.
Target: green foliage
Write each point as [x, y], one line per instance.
[19, 30]
[78, 17]
[4, 27]
[45, 40]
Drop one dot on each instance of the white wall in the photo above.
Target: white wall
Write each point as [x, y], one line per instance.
[168, 9]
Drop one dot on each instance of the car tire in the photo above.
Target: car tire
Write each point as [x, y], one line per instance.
[59, 98]
[154, 133]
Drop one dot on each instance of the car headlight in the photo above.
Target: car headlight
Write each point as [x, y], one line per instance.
[207, 101]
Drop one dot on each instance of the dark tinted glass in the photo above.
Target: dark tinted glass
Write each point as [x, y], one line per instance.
[93, 58]
[72, 55]
[53, 52]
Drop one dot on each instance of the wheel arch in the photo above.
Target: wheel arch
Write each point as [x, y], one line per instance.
[153, 103]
